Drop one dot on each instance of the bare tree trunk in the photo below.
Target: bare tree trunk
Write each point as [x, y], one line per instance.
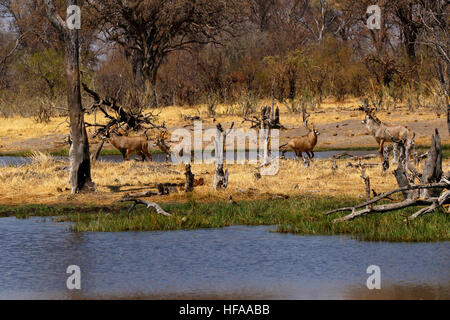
[80, 166]
[96, 154]
[189, 185]
[221, 175]
[432, 171]
[265, 129]
[448, 113]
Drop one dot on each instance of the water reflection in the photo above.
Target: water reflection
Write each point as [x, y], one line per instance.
[14, 161]
[229, 263]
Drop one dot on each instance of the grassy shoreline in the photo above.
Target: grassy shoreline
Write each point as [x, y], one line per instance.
[301, 215]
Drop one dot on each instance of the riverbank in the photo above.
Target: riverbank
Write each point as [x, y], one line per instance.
[301, 215]
[45, 181]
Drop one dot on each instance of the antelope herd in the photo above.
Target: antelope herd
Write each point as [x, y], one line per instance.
[398, 135]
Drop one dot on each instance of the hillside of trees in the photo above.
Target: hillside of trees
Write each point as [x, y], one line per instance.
[175, 52]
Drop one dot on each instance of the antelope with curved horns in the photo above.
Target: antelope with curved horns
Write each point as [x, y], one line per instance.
[127, 145]
[305, 143]
[383, 133]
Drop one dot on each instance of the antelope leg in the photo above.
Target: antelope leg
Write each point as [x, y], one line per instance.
[380, 149]
[148, 154]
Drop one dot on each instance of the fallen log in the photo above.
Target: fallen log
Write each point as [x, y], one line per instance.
[429, 192]
[361, 165]
[140, 194]
[389, 193]
[149, 204]
[338, 156]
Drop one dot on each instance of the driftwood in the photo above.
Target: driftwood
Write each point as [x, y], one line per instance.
[386, 195]
[429, 192]
[359, 165]
[163, 189]
[140, 194]
[353, 157]
[149, 204]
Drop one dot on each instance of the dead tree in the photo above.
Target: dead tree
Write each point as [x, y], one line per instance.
[266, 126]
[305, 116]
[80, 166]
[122, 117]
[269, 119]
[269, 114]
[96, 154]
[428, 192]
[221, 175]
[189, 185]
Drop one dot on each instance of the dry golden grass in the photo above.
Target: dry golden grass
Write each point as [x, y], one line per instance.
[45, 181]
[19, 129]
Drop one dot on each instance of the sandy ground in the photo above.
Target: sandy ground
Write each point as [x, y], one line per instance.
[339, 128]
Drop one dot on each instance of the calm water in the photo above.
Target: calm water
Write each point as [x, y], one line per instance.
[235, 262]
[7, 161]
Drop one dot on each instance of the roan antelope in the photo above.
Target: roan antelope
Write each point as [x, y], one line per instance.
[160, 142]
[383, 133]
[305, 143]
[127, 145]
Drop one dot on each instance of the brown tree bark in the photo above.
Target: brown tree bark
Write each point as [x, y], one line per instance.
[80, 166]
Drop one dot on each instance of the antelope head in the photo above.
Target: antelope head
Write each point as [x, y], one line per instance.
[370, 113]
[312, 129]
[160, 139]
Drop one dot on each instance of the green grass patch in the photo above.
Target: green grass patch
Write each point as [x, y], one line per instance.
[300, 215]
